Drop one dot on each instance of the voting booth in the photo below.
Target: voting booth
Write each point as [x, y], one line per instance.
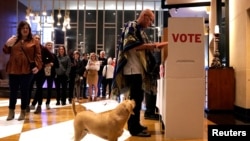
[184, 81]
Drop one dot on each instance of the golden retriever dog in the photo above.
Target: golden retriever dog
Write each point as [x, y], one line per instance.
[107, 125]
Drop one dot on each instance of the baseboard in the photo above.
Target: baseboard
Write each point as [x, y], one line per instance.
[242, 114]
[208, 111]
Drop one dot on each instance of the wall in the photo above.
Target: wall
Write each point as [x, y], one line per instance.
[239, 25]
[9, 18]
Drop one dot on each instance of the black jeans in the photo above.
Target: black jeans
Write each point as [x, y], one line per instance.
[21, 81]
[50, 80]
[83, 87]
[136, 93]
[104, 88]
[71, 86]
[39, 78]
[61, 88]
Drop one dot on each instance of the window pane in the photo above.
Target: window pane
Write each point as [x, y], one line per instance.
[129, 5]
[110, 16]
[59, 36]
[91, 16]
[110, 5]
[100, 27]
[100, 5]
[80, 26]
[158, 6]
[119, 22]
[90, 40]
[129, 16]
[119, 5]
[110, 41]
[71, 39]
[73, 16]
[148, 5]
[91, 5]
[139, 5]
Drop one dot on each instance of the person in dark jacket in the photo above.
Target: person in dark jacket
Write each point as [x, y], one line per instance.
[51, 67]
[62, 75]
[84, 79]
[103, 61]
[132, 65]
[75, 76]
[40, 77]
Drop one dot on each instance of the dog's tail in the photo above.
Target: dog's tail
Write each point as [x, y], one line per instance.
[73, 106]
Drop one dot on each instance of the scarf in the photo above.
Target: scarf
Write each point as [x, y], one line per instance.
[132, 36]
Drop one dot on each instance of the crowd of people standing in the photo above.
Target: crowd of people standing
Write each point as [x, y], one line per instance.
[73, 75]
[85, 75]
[77, 76]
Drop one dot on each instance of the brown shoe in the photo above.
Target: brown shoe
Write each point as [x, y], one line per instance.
[11, 114]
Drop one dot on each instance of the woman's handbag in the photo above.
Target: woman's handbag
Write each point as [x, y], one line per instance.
[47, 70]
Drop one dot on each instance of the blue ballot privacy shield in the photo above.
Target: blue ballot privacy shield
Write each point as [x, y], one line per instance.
[185, 79]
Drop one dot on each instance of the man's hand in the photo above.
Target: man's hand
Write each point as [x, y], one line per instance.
[156, 45]
[161, 44]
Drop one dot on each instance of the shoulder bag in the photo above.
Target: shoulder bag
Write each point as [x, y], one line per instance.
[32, 63]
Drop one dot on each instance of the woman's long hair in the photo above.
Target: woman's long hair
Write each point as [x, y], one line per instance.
[64, 54]
[19, 28]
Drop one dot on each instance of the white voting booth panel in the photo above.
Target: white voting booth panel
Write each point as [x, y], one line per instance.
[184, 116]
[185, 79]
